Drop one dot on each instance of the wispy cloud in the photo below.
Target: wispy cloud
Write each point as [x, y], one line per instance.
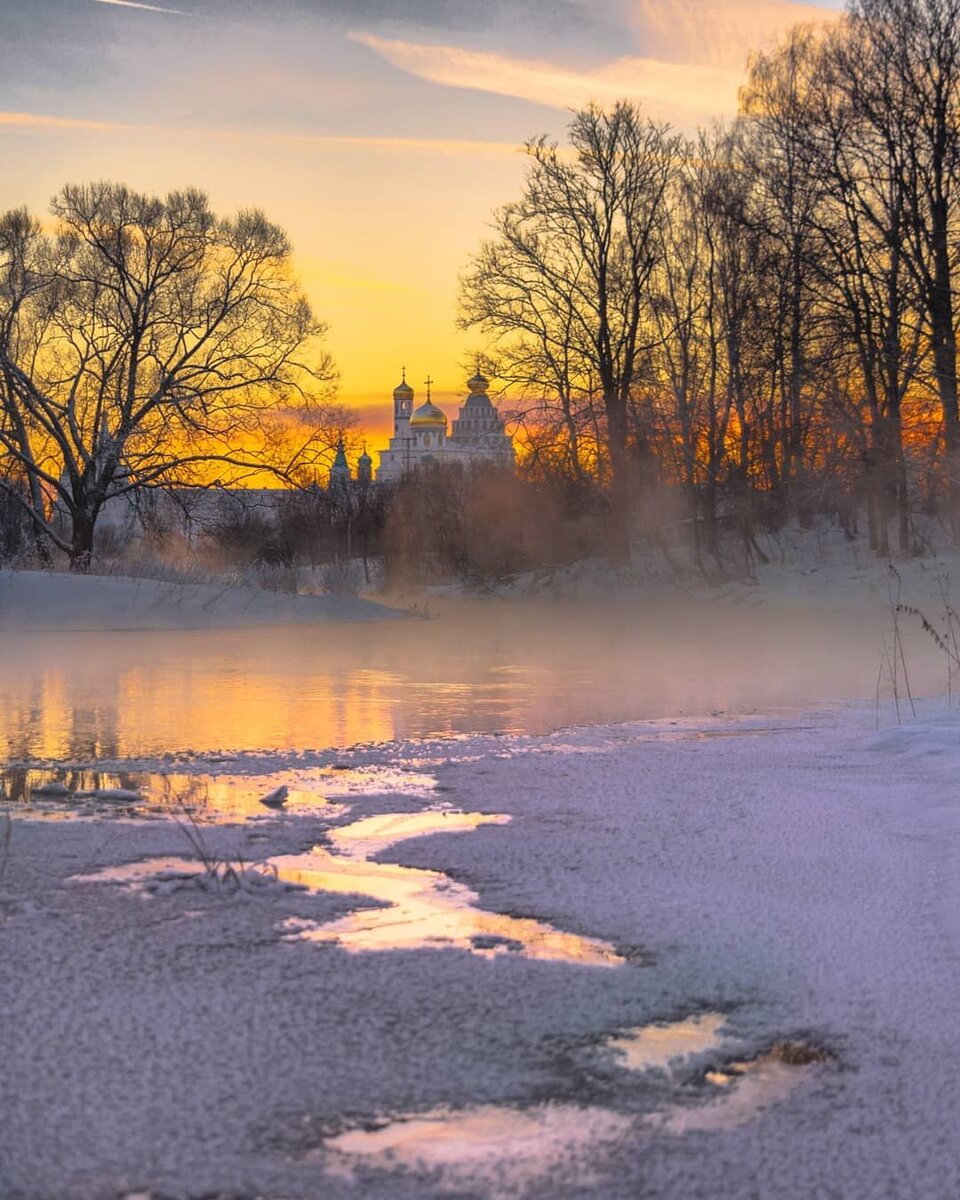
[331, 144]
[719, 32]
[678, 91]
[40, 121]
[683, 60]
[172, 12]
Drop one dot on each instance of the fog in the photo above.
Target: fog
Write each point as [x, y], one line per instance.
[478, 666]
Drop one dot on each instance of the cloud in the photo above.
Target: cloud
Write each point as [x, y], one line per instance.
[332, 144]
[715, 32]
[678, 91]
[39, 121]
[173, 12]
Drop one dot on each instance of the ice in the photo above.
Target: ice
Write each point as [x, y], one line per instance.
[740, 894]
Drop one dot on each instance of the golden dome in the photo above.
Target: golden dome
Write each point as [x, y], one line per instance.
[429, 414]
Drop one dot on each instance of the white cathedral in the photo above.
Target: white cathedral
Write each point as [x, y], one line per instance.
[420, 434]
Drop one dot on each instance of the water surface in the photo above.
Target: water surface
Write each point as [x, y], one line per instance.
[478, 667]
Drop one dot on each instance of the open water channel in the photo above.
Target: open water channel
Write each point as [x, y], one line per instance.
[481, 666]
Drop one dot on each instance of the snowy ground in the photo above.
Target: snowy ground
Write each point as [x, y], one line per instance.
[582, 986]
[45, 600]
[818, 567]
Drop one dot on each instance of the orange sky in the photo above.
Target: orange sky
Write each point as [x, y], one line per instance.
[380, 134]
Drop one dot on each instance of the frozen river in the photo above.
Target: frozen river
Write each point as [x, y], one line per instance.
[475, 667]
[671, 959]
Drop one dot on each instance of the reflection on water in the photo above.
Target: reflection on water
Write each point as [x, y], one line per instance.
[656, 1046]
[744, 1090]
[421, 909]
[84, 793]
[53, 794]
[138, 874]
[370, 835]
[479, 667]
[512, 1150]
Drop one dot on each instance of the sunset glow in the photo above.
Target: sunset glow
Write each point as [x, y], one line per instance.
[380, 141]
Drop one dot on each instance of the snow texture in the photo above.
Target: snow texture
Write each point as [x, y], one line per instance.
[47, 600]
[802, 885]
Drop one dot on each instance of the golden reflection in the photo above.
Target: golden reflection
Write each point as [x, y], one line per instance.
[744, 1090]
[421, 908]
[479, 667]
[510, 1149]
[658, 1045]
[137, 874]
[46, 795]
[370, 835]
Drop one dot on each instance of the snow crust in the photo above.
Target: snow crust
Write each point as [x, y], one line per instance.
[803, 885]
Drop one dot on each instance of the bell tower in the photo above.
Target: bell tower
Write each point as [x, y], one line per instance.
[402, 406]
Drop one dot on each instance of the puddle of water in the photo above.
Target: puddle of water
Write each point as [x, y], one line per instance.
[370, 835]
[512, 1149]
[657, 1046]
[55, 795]
[139, 873]
[424, 910]
[421, 909]
[163, 876]
[744, 1090]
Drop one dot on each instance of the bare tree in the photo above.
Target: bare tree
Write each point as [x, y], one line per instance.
[777, 106]
[858, 150]
[562, 290]
[150, 343]
[915, 47]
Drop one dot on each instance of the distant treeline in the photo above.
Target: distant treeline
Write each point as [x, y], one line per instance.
[694, 336]
[764, 316]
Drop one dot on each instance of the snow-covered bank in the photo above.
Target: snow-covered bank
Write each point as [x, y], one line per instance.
[763, 882]
[47, 600]
[817, 567]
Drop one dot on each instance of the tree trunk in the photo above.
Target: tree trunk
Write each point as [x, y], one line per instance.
[81, 543]
[618, 534]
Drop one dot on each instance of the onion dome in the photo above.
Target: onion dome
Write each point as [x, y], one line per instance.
[479, 383]
[428, 414]
[341, 468]
[402, 389]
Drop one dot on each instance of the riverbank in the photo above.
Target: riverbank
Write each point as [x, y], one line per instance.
[49, 600]
[730, 886]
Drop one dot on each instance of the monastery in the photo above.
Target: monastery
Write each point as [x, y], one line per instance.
[420, 434]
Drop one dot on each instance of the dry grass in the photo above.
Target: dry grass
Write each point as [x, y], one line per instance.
[233, 873]
[798, 1054]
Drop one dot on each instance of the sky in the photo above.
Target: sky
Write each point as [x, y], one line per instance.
[381, 134]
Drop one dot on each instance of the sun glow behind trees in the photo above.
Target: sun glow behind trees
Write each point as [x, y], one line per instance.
[773, 325]
[150, 343]
[383, 179]
[760, 317]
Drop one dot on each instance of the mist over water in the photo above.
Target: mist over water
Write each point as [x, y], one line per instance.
[481, 666]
